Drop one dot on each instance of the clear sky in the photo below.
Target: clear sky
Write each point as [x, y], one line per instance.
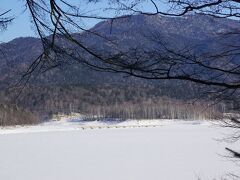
[22, 27]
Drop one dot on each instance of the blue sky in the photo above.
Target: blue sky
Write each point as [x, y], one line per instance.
[22, 27]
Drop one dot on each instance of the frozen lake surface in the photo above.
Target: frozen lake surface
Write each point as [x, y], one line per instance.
[172, 150]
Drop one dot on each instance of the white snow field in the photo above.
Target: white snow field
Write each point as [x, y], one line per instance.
[75, 150]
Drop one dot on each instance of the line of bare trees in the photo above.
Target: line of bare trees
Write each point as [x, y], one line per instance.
[145, 109]
[11, 115]
[117, 102]
[162, 109]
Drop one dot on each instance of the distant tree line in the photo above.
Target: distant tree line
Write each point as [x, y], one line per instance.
[106, 101]
[160, 109]
[13, 115]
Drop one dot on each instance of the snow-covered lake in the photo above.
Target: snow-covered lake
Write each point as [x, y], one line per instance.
[170, 151]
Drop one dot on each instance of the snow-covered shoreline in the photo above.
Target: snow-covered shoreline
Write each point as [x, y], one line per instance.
[74, 124]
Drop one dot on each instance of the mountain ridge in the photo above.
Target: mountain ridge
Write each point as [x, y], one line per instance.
[127, 32]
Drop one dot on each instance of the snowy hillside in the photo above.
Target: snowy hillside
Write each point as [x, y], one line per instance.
[125, 150]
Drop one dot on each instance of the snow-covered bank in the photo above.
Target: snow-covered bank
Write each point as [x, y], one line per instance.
[77, 123]
[176, 150]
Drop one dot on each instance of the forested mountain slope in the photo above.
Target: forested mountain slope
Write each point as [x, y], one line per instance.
[76, 81]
